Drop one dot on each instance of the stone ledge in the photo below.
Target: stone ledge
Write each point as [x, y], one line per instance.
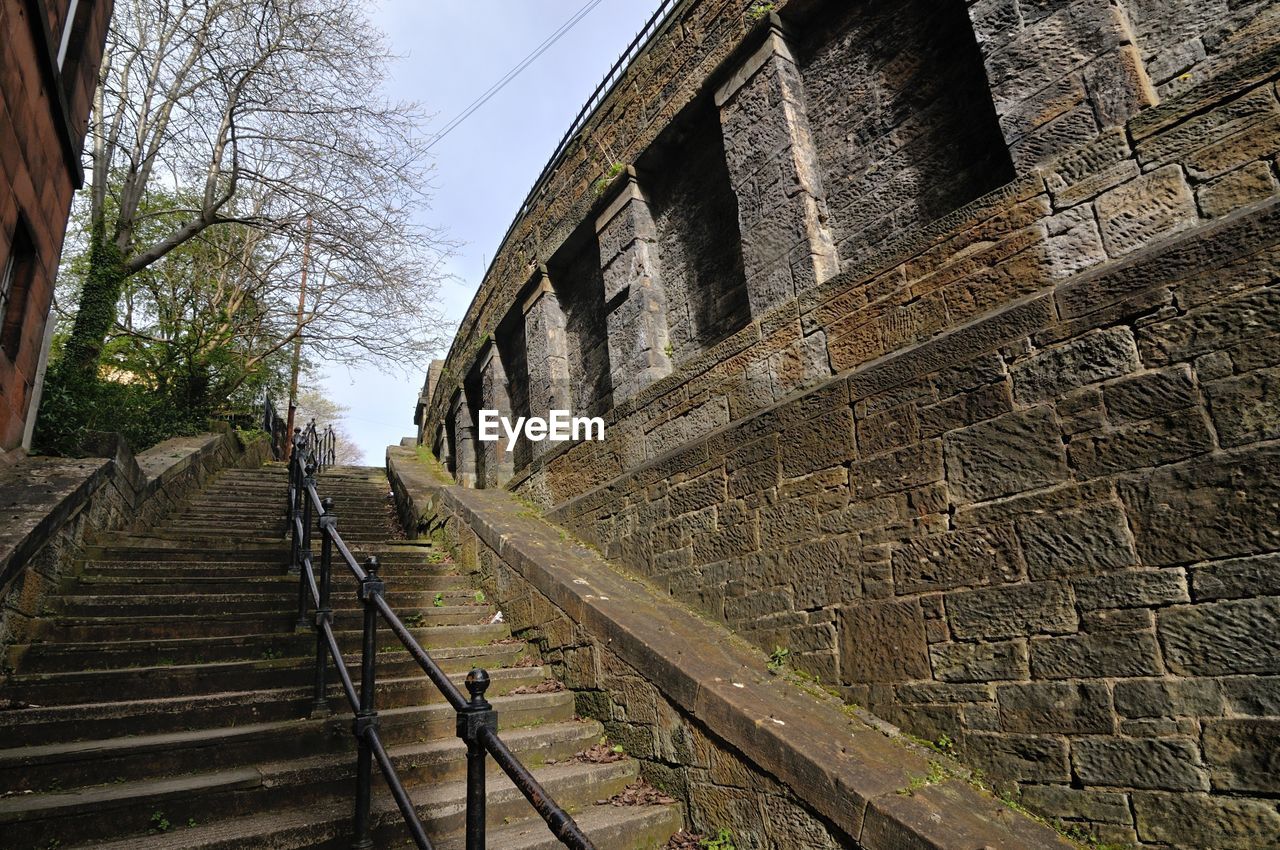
[845, 769]
[41, 497]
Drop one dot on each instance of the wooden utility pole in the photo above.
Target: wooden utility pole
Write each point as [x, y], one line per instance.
[297, 343]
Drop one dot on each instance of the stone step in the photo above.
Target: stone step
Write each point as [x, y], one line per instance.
[82, 764]
[69, 657]
[188, 629]
[87, 721]
[78, 629]
[223, 521]
[99, 584]
[211, 541]
[122, 809]
[275, 553]
[608, 827]
[276, 493]
[343, 597]
[84, 686]
[157, 565]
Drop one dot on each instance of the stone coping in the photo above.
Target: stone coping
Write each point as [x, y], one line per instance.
[878, 791]
[39, 495]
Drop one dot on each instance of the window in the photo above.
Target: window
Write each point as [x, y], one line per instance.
[14, 287]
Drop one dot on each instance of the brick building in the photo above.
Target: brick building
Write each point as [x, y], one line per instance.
[49, 59]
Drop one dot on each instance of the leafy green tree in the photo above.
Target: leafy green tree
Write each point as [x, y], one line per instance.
[226, 135]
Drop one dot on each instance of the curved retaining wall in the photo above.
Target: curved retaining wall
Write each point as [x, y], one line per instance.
[936, 344]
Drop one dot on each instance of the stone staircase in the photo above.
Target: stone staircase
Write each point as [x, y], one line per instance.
[165, 698]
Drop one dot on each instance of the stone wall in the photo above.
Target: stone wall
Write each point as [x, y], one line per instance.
[579, 285]
[695, 215]
[1011, 477]
[775, 760]
[901, 116]
[53, 506]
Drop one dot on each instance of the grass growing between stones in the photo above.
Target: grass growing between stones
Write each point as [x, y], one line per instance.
[936, 776]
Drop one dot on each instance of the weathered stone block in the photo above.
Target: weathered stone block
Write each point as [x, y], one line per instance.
[1244, 755]
[890, 429]
[1089, 359]
[1015, 452]
[787, 522]
[1252, 695]
[944, 694]
[1072, 803]
[1239, 188]
[1246, 408]
[1237, 578]
[1169, 698]
[882, 642]
[1201, 820]
[1171, 764]
[954, 559]
[1252, 143]
[1012, 610]
[1212, 327]
[1201, 131]
[1206, 509]
[1080, 411]
[980, 662]
[1155, 205]
[1132, 589]
[1094, 539]
[1022, 758]
[818, 444]
[1149, 394]
[903, 469]
[1163, 440]
[1104, 654]
[964, 409]
[1217, 638]
[1081, 708]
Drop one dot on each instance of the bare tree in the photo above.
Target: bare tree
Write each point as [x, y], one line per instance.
[259, 114]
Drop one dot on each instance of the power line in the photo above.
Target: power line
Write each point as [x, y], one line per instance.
[542, 48]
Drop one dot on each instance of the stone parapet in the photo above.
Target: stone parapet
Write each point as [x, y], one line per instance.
[779, 764]
[54, 505]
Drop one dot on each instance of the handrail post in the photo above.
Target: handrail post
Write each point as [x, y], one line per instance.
[291, 508]
[477, 716]
[324, 613]
[304, 547]
[366, 722]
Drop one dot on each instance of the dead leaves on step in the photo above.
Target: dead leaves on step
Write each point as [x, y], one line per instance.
[601, 753]
[685, 840]
[546, 686]
[640, 794]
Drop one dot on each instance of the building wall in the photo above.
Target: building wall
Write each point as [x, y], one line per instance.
[696, 218]
[998, 462]
[902, 117]
[43, 117]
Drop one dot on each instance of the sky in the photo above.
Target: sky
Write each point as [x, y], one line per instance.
[452, 51]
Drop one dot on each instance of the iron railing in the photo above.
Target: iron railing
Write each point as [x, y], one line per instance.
[276, 427]
[477, 722]
[322, 446]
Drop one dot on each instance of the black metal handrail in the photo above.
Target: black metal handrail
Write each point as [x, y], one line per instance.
[322, 446]
[276, 427]
[477, 722]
